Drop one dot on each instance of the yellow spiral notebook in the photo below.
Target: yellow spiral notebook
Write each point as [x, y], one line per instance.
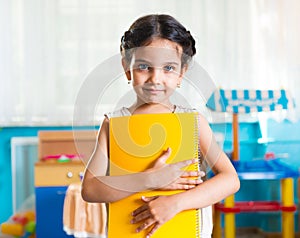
[135, 143]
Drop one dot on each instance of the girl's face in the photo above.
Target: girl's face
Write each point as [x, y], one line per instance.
[156, 71]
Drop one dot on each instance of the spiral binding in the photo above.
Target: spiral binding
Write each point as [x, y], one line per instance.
[197, 166]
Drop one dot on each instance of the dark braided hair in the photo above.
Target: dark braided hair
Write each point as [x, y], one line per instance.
[146, 28]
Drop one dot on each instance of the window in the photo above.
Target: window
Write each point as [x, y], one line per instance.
[47, 48]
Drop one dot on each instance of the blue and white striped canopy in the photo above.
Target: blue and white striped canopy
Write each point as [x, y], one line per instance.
[247, 101]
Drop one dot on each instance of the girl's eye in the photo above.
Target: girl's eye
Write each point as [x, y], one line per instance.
[169, 68]
[143, 67]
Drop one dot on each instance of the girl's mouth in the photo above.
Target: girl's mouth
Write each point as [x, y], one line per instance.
[152, 90]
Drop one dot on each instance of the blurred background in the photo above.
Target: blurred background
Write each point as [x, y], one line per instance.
[48, 47]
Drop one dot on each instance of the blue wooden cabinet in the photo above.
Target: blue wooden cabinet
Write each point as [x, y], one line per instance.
[51, 183]
[52, 178]
[49, 212]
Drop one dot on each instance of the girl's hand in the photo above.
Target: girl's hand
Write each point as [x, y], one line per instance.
[157, 211]
[172, 177]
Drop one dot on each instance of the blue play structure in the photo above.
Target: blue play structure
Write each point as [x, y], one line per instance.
[284, 143]
[260, 166]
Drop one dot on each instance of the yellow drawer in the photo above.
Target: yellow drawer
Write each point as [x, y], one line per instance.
[55, 174]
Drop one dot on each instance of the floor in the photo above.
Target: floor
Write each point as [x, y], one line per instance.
[253, 235]
[249, 233]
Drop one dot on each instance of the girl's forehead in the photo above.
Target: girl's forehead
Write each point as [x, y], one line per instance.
[164, 43]
[159, 51]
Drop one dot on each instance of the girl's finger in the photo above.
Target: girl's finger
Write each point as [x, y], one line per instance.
[148, 199]
[190, 181]
[155, 227]
[139, 210]
[141, 217]
[184, 163]
[145, 225]
[186, 174]
[163, 158]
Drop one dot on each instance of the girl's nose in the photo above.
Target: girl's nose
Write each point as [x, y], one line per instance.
[155, 75]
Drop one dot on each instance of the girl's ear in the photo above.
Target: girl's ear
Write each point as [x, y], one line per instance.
[126, 69]
[182, 72]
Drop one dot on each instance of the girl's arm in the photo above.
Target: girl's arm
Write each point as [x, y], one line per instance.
[225, 181]
[97, 187]
[158, 210]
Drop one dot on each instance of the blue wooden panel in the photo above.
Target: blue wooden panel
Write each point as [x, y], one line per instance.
[49, 212]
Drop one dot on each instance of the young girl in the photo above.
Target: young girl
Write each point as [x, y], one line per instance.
[155, 54]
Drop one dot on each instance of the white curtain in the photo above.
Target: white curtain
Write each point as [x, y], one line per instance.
[47, 47]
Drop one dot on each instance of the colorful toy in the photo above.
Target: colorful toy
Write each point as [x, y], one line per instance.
[20, 225]
[62, 158]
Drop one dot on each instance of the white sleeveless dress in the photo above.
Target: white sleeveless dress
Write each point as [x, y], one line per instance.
[205, 213]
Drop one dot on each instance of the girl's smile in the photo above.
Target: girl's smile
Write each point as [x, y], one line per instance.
[153, 89]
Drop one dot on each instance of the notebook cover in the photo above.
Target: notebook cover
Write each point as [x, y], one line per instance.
[135, 142]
